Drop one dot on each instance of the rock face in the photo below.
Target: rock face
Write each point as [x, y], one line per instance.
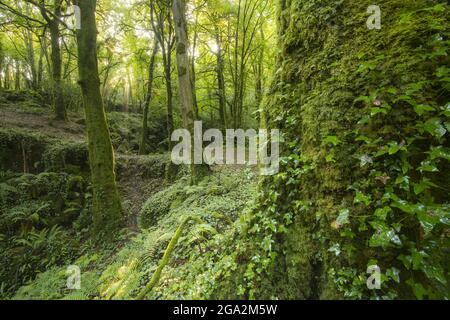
[361, 111]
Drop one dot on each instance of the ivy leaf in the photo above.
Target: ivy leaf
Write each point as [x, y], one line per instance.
[342, 219]
[407, 207]
[362, 198]
[383, 236]
[434, 127]
[332, 140]
[403, 181]
[447, 125]
[336, 249]
[407, 260]
[364, 138]
[428, 221]
[420, 109]
[330, 158]
[376, 110]
[394, 147]
[394, 274]
[365, 160]
[428, 166]
[382, 213]
[436, 273]
[418, 289]
[439, 152]
[423, 185]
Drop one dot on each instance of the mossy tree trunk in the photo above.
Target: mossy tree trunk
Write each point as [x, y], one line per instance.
[343, 95]
[54, 24]
[184, 80]
[161, 21]
[107, 210]
[221, 92]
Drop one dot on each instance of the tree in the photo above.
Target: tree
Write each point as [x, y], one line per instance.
[184, 79]
[51, 14]
[107, 210]
[161, 19]
[148, 98]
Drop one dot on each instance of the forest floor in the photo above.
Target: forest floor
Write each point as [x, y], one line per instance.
[135, 188]
[12, 116]
[154, 208]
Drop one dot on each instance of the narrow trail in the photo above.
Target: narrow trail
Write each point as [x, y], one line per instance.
[41, 123]
[136, 184]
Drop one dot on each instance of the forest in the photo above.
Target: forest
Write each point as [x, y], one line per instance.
[224, 150]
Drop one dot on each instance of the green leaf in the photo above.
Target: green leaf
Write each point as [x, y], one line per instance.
[435, 273]
[407, 260]
[365, 99]
[332, 140]
[418, 289]
[336, 249]
[428, 221]
[417, 259]
[330, 158]
[420, 109]
[394, 274]
[424, 184]
[342, 219]
[362, 198]
[382, 213]
[384, 235]
[408, 207]
[439, 152]
[428, 166]
[434, 127]
[376, 110]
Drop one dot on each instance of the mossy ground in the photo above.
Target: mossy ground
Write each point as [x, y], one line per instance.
[200, 263]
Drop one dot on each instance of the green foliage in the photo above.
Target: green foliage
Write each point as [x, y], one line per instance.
[36, 212]
[125, 129]
[202, 264]
[364, 176]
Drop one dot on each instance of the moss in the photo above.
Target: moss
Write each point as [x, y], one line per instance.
[328, 60]
[160, 204]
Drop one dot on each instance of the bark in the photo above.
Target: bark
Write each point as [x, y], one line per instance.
[184, 78]
[148, 98]
[55, 38]
[107, 210]
[221, 81]
[17, 75]
[30, 53]
[163, 29]
[60, 110]
[193, 75]
[7, 77]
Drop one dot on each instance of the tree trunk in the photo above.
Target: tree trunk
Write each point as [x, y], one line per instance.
[30, 52]
[148, 98]
[55, 37]
[221, 81]
[193, 75]
[17, 75]
[184, 80]
[107, 210]
[169, 98]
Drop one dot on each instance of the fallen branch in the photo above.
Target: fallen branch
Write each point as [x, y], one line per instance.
[165, 259]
